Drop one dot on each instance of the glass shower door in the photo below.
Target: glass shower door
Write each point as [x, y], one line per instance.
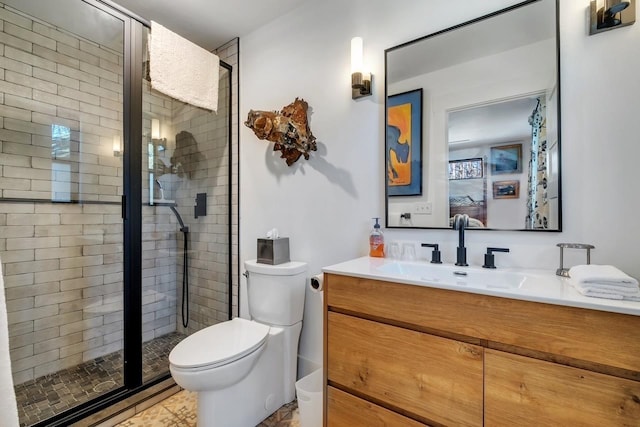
[95, 303]
[61, 142]
[185, 257]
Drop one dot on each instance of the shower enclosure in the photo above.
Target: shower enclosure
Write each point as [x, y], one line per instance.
[106, 265]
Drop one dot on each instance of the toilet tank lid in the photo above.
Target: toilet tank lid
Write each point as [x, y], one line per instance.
[290, 268]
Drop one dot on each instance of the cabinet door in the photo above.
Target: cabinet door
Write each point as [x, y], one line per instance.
[429, 378]
[529, 392]
[347, 410]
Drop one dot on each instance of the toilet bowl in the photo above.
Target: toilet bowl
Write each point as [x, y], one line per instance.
[238, 344]
[243, 370]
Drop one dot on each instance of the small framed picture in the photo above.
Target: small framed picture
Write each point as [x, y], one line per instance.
[506, 189]
[506, 159]
[465, 168]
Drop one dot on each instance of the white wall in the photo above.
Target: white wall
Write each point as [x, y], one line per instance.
[325, 204]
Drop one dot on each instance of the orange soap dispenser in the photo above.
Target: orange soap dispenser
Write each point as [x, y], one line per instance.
[376, 241]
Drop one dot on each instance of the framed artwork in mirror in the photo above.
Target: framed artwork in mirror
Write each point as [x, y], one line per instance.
[506, 189]
[404, 144]
[506, 159]
[465, 168]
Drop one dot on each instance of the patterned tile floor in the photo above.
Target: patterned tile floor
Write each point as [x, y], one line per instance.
[52, 394]
[180, 410]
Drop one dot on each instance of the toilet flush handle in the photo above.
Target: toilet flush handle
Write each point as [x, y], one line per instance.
[246, 274]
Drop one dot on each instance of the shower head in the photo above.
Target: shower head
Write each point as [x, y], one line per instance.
[161, 189]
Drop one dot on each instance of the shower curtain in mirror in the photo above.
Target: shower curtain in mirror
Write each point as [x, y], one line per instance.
[537, 202]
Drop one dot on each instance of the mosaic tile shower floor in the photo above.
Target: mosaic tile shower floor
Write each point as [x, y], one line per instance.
[44, 397]
[180, 410]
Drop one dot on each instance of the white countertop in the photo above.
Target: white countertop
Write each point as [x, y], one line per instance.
[536, 285]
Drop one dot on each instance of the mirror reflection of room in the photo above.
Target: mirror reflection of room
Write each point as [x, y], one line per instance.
[495, 100]
[498, 169]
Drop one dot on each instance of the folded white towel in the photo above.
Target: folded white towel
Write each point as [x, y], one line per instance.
[602, 295]
[607, 295]
[606, 288]
[604, 281]
[183, 70]
[602, 274]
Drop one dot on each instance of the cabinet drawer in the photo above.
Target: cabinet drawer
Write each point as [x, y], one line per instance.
[344, 409]
[575, 333]
[522, 391]
[434, 379]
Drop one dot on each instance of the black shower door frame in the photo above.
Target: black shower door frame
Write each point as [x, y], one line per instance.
[132, 221]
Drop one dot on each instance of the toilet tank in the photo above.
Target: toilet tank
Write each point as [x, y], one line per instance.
[275, 293]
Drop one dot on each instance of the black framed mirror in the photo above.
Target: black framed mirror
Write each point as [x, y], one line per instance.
[483, 139]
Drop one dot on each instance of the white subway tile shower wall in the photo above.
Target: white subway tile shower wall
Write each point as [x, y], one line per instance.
[63, 262]
[63, 277]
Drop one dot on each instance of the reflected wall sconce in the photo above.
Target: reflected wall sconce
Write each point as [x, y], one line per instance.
[117, 146]
[155, 129]
[360, 79]
[610, 14]
[155, 134]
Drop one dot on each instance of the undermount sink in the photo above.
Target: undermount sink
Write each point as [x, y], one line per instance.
[536, 285]
[471, 277]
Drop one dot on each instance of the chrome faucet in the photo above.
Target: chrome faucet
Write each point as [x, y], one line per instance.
[460, 222]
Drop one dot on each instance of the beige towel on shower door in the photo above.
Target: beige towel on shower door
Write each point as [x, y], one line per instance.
[183, 70]
[8, 406]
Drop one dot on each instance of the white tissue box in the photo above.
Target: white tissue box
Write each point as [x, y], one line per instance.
[273, 251]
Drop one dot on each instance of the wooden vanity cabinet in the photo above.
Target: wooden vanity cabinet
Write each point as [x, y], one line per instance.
[522, 391]
[348, 410]
[405, 355]
[428, 377]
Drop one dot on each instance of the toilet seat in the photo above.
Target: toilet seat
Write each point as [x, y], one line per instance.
[219, 344]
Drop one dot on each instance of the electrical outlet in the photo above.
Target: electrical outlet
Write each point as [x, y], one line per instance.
[422, 208]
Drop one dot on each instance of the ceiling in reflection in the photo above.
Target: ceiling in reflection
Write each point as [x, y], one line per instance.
[507, 31]
[495, 123]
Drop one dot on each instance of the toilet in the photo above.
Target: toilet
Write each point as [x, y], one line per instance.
[244, 370]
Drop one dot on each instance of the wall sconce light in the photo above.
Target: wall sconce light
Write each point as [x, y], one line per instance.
[155, 129]
[610, 14]
[360, 79]
[117, 146]
[155, 135]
